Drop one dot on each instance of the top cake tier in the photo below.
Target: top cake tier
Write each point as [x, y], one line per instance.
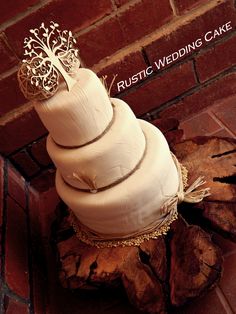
[80, 116]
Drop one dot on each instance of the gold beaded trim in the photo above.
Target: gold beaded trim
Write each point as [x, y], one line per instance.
[134, 241]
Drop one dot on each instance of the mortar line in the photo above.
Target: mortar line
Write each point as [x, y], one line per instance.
[22, 15]
[195, 71]
[220, 122]
[223, 300]
[8, 292]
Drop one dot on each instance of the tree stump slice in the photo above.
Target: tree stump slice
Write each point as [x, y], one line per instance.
[215, 159]
[171, 270]
[195, 264]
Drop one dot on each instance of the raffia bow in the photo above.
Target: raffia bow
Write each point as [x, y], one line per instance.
[154, 229]
[191, 194]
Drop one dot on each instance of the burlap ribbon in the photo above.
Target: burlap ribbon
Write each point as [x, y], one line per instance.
[154, 229]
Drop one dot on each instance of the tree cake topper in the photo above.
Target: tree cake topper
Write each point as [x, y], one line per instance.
[50, 55]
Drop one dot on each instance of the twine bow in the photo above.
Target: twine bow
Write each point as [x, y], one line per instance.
[191, 195]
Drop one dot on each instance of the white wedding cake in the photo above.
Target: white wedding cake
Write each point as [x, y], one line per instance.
[115, 172]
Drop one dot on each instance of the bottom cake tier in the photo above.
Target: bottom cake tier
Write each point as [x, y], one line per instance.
[133, 203]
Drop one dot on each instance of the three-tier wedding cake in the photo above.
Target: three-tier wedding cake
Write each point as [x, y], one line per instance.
[115, 172]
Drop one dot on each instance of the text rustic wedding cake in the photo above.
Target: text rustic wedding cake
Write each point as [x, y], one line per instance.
[115, 172]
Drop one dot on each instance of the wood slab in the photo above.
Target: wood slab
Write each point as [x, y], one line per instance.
[171, 270]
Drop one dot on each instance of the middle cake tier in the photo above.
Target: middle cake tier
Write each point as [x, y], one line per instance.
[106, 161]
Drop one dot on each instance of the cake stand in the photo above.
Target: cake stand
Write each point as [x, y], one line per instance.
[172, 270]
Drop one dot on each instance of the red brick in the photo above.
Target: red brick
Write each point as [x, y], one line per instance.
[11, 8]
[202, 124]
[43, 181]
[189, 32]
[208, 304]
[1, 205]
[161, 89]
[39, 264]
[216, 59]
[144, 17]
[224, 133]
[74, 15]
[16, 253]
[13, 306]
[38, 150]
[226, 112]
[34, 210]
[16, 186]
[228, 281]
[101, 41]
[185, 5]
[203, 98]
[39, 295]
[25, 163]
[166, 125]
[6, 54]
[10, 94]
[1, 187]
[49, 200]
[125, 68]
[19, 131]
[38, 255]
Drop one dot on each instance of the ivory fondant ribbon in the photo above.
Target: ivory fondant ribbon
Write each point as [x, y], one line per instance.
[154, 229]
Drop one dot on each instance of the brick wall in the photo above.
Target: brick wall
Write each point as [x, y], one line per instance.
[121, 37]
[25, 222]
